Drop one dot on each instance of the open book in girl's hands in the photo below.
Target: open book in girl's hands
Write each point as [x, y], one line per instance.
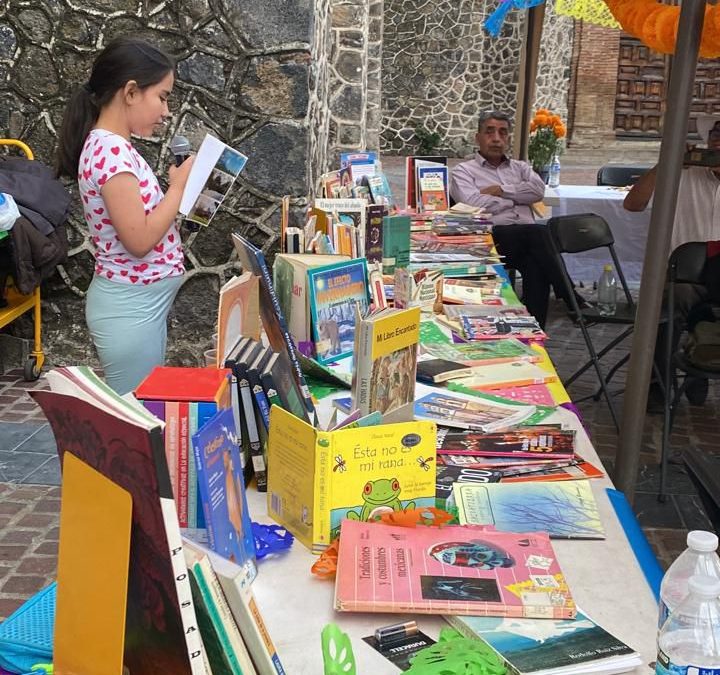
[214, 171]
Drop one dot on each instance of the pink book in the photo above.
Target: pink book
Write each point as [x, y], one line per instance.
[449, 570]
[537, 394]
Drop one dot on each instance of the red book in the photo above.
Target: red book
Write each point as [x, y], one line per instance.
[168, 383]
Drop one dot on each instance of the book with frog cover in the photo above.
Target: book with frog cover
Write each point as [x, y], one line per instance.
[318, 478]
[449, 570]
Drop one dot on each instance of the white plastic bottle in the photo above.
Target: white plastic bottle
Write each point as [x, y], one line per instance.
[607, 292]
[689, 642]
[554, 173]
[699, 557]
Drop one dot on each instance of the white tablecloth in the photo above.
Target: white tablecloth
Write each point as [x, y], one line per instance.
[629, 229]
[604, 577]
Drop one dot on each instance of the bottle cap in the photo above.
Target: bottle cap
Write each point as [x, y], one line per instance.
[2, 198]
[704, 586]
[607, 268]
[700, 540]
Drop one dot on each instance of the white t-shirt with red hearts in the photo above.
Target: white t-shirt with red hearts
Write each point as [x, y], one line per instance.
[104, 155]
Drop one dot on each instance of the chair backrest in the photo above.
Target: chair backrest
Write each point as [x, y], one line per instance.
[585, 232]
[580, 232]
[620, 175]
[687, 263]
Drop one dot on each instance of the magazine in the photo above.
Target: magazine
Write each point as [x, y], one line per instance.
[214, 171]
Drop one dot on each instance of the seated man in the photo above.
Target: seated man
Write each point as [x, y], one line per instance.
[697, 218]
[506, 188]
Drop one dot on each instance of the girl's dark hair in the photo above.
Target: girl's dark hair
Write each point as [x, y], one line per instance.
[122, 60]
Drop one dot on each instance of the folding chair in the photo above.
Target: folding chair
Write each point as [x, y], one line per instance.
[576, 234]
[620, 175]
[686, 266]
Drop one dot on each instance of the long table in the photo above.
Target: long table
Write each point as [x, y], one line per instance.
[630, 229]
[604, 577]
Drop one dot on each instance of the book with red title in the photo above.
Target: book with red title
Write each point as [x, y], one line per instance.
[449, 570]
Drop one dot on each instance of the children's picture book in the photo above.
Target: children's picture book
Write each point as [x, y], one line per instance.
[515, 373]
[213, 172]
[238, 313]
[317, 478]
[550, 647]
[534, 394]
[482, 353]
[453, 410]
[433, 188]
[380, 191]
[222, 488]
[538, 442]
[290, 277]
[449, 570]
[124, 443]
[334, 292]
[273, 320]
[385, 362]
[411, 176]
[565, 510]
[423, 288]
[577, 469]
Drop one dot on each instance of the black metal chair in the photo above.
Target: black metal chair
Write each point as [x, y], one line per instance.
[620, 175]
[686, 266]
[586, 232]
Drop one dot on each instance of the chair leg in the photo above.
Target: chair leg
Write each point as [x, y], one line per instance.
[668, 420]
[613, 343]
[611, 372]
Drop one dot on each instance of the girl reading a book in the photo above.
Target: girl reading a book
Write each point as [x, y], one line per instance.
[138, 253]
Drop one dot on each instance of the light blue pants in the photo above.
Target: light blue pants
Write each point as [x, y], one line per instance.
[128, 325]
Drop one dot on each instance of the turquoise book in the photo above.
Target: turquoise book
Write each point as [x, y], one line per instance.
[396, 243]
[335, 291]
[222, 490]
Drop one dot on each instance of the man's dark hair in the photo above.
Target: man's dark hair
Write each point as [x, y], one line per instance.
[493, 115]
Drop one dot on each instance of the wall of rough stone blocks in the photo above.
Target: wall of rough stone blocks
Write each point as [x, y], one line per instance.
[440, 68]
[253, 73]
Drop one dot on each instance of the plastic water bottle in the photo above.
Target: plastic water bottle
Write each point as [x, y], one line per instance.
[699, 557]
[689, 642]
[607, 292]
[8, 212]
[554, 174]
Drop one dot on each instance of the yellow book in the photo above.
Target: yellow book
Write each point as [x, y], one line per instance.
[318, 478]
[93, 563]
[385, 362]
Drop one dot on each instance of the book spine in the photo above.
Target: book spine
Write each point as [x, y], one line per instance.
[193, 639]
[364, 367]
[256, 449]
[321, 516]
[183, 445]
[268, 651]
[213, 602]
[205, 410]
[192, 491]
[172, 427]
[263, 404]
[288, 340]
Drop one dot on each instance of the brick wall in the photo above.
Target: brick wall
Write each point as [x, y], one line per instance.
[594, 80]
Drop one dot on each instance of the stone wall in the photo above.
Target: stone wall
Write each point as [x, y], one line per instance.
[251, 72]
[355, 76]
[440, 68]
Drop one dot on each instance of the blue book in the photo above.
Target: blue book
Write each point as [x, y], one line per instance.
[222, 489]
[334, 291]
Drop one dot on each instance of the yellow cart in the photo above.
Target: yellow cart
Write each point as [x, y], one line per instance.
[18, 303]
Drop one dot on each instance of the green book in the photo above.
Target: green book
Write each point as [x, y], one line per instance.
[396, 243]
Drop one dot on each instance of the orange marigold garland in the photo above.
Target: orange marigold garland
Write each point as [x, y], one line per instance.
[656, 25]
